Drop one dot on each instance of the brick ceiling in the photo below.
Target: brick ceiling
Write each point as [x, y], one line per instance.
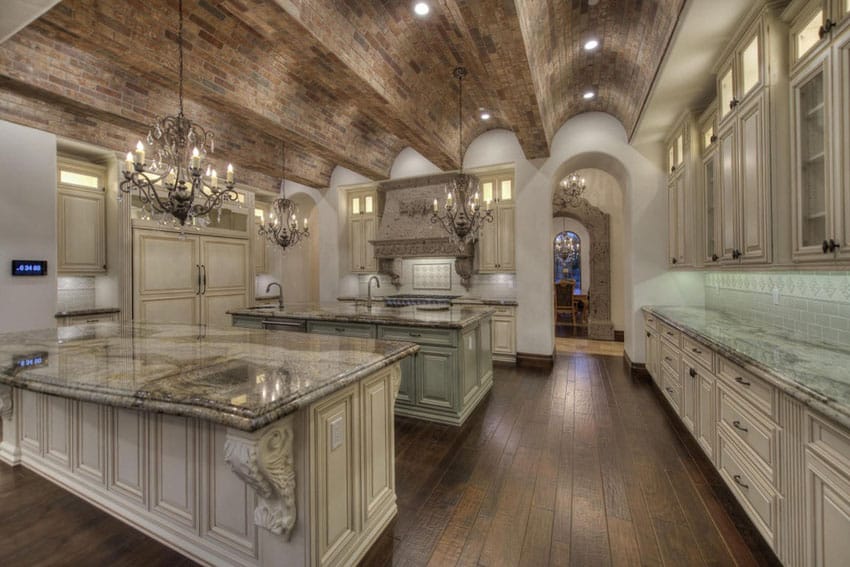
[343, 82]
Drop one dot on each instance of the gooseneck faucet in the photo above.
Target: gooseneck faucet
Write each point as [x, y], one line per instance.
[369, 290]
[280, 296]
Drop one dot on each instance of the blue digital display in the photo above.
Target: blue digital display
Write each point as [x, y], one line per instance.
[29, 267]
[30, 360]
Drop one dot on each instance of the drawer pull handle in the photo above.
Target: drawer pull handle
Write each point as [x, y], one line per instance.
[339, 329]
[670, 390]
[696, 350]
[737, 425]
[692, 372]
[740, 380]
[416, 335]
[671, 333]
[91, 320]
[668, 359]
[739, 482]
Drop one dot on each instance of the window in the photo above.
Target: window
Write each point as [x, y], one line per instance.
[567, 253]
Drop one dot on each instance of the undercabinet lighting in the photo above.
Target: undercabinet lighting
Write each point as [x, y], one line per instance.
[421, 8]
[591, 44]
[589, 95]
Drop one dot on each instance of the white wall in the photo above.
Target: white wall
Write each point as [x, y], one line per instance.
[27, 226]
[410, 163]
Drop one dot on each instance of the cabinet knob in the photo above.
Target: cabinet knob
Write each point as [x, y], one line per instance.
[733, 103]
[647, 334]
[714, 258]
[740, 380]
[673, 260]
[672, 168]
[826, 28]
[692, 372]
[713, 138]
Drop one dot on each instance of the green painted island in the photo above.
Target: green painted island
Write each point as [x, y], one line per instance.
[443, 382]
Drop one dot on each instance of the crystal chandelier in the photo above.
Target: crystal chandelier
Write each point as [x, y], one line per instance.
[282, 228]
[571, 191]
[461, 215]
[567, 248]
[177, 182]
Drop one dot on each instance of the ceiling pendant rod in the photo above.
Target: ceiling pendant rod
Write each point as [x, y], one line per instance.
[180, 51]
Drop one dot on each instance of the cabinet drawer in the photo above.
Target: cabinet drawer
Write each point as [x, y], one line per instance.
[669, 334]
[671, 358]
[650, 322]
[363, 331]
[754, 432]
[698, 352]
[671, 387]
[503, 310]
[441, 337]
[87, 319]
[753, 389]
[758, 499]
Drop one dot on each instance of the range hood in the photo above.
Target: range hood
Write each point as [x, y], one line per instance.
[406, 230]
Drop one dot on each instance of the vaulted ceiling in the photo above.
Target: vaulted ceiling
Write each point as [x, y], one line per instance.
[342, 82]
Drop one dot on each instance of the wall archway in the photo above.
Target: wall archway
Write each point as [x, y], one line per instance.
[598, 224]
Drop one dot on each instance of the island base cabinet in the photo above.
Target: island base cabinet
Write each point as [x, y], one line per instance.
[316, 487]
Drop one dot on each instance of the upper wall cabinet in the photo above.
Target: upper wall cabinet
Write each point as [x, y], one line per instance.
[81, 217]
[496, 244]
[752, 107]
[683, 193]
[362, 224]
[709, 182]
[819, 95]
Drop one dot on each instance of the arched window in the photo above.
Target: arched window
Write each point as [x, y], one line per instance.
[566, 249]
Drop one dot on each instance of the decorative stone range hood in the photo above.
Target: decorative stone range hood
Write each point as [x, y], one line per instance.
[406, 230]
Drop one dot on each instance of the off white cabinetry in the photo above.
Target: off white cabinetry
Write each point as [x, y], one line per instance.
[261, 212]
[504, 334]
[682, 193]
[189, 279]
[819, 94]
[81, 218]
[752, 96]
[497, 240]
[71, 320]
[362, 224]
[709, 180]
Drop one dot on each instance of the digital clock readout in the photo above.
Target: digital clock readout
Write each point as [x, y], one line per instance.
[29, 267]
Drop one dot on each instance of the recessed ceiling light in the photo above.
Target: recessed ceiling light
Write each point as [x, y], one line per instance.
[591, 44]
[421, 8]
[589, 95]
[485, 115]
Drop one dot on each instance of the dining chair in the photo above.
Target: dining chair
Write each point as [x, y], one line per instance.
[564, 304]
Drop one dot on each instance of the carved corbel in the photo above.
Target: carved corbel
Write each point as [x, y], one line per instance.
[396, 378]
[463, 267]
[266, 464]
[391, 267]
[5, 401]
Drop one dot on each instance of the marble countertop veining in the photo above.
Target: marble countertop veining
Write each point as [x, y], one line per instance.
[456, 317]
[816, 375]
[241, 378]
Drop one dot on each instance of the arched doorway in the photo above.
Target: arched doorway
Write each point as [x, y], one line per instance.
[566, 258]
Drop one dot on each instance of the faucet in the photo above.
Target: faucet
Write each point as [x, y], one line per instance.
[369, 290]
[280, 295]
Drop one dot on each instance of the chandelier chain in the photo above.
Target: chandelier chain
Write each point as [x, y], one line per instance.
[180, 51]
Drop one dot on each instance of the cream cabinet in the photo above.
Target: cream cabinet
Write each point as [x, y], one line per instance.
[751, 94]
[819, 95]
[188, 279]
[496, 243]
[682, 193]
[81, 218]
[709, 244]
[71, 320]
[503, 332]
[260, 249]
[363, 218]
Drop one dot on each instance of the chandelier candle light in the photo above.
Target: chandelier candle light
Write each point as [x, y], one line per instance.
[462, 216]
[282, 228]
[572, 190]
[188, 190]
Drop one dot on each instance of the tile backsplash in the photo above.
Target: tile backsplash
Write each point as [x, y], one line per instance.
[77, 292]
[813, 306]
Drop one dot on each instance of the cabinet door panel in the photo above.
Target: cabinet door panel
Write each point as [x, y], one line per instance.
[507, 253]
[690, 393]
[827, 513]
[215, 307]
[707, 426]
[503, 335]
[369, 226]
[709, 184]
[81, 225]
[469, 354]
[226, 264]
[356, 247]
[754, 198]
[841, 57]
[682, 224]
[57, 430]
[406, 393]
[487, 247]
[728, 191]
[163, 263]
[436, 373]
[377, 443]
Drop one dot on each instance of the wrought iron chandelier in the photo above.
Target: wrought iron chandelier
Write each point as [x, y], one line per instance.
[461, 215]
[571, 191]
[177, 182]
[282, 227]
[567, 248]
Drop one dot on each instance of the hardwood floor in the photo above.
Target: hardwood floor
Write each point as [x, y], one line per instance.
[576, 466]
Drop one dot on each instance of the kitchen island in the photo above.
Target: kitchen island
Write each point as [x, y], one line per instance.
[444, 382]
[233, 446]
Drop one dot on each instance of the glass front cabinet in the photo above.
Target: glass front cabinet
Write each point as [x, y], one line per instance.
[819, 35]
[709, 180]
[682, 152]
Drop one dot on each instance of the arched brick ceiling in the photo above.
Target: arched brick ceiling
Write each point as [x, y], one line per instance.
[343, 82]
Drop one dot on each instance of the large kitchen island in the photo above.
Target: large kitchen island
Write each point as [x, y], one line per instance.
[233, 446]
[443, 382]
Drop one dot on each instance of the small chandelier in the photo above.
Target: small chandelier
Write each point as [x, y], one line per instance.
[567, 248]
[461, 216]
[282, 228]
[187, 190]
[571, 191]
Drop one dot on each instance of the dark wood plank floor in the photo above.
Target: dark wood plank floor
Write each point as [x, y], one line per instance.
[578, 466]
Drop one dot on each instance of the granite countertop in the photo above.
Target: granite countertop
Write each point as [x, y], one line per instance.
[456, 317]
[90, 311]
[463, 300]
[242, 378]
[817, 375]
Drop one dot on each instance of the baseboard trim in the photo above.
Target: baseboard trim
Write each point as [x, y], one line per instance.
[637, 370]
[528, 360]
[620, 336]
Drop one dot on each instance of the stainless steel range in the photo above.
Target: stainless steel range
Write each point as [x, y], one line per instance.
[405, 299]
